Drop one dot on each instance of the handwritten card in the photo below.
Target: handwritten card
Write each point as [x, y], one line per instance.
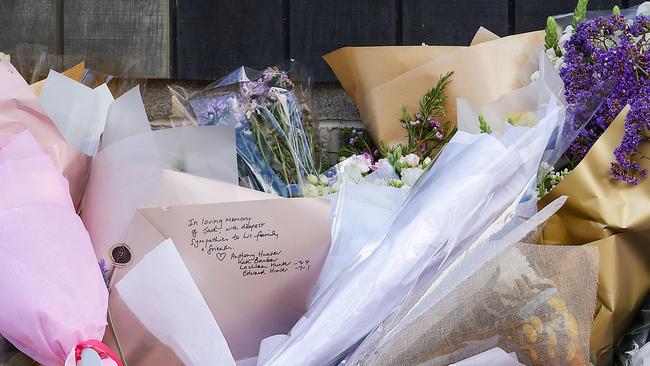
[256, 263]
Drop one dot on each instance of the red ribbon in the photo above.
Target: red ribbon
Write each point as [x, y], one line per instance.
[102, 350]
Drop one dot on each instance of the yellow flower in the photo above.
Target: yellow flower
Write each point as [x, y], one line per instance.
[536, 322]
[558, 305]
[530, 333]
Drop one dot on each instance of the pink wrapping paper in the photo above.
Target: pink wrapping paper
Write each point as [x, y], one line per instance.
[20, 110]
[53, 294]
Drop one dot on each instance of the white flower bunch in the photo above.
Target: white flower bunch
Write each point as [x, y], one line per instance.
[409, 169]
[548, 179]
[361, 169]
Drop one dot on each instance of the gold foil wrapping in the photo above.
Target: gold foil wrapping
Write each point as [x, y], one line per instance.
[614, 217]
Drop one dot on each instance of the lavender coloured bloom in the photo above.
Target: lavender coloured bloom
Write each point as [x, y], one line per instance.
[609, 51]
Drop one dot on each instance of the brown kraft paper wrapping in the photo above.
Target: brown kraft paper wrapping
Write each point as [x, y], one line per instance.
[381, 80]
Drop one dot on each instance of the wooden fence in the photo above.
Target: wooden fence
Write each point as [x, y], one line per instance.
[204, 39]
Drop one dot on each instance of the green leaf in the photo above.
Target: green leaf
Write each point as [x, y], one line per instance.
[511, 121]
[617, 10]
[483, 125]
[551, 39]
[580, 14]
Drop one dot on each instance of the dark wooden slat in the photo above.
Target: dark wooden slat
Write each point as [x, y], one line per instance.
[120, 35]
[27, 21]
[318, 27]
[215, 37]
[443, 22]
[531, 14]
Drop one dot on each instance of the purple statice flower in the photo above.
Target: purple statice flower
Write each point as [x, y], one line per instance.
[637, 124]
[609, 53]
[105, 272]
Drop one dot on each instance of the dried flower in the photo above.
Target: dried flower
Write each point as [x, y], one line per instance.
[600, 50]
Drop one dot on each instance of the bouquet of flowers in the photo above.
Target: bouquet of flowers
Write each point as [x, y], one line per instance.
[400, 165]
[277, 142]
[604, 170]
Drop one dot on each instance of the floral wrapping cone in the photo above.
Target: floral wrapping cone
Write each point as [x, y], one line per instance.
[381, 80]
[614, 217]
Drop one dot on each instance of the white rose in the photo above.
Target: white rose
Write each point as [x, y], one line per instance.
[644, 9]
[410, 176]
[353, 168]
[360, 162]
[5, 57]
[411, 160]
[352, 173]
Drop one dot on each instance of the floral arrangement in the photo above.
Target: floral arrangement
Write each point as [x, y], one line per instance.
[276, 135]
[399, 166]
[612, 53]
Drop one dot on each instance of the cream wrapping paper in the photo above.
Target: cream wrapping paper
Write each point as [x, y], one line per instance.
[615, 218]
[137, 167]
[256, 285]
[381, 80]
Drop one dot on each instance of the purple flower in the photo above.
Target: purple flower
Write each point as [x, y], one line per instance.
[434, 123]
[439, 135]
[105, 272]
[368, 158]
[606, 54]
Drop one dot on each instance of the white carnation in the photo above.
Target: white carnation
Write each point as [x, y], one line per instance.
[411, 160]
